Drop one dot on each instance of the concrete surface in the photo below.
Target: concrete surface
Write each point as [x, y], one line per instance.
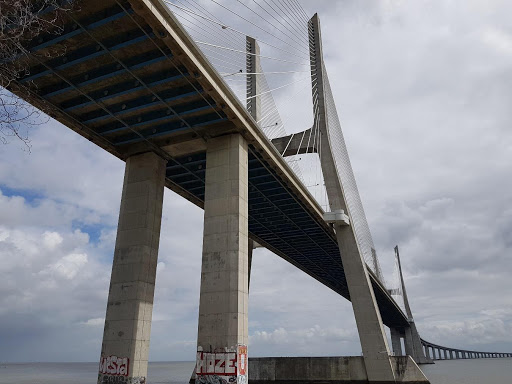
[335, 370]
[132, 285]
[224, 294]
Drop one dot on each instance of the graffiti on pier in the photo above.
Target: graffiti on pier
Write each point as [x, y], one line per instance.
[106, 379]
[226, 366]
[114, 366]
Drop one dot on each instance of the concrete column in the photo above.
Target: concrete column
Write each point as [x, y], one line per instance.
[250, 248]
[395, 342]
[415, 340]
[125, 347]
[408, 342]
[369, 322]
[253, 85]
[253, 103]
[452, 354]
[224, 293]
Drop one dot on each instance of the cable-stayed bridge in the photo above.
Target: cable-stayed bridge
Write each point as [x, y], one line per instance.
[188, 97]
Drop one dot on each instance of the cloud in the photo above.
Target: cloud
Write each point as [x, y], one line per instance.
[67, 267]
[52, 239]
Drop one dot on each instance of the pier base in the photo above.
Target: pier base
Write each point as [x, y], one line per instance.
[327, 370]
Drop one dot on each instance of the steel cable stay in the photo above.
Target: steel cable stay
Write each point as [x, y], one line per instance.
[250, 22]
[286, 17]
[266, 20]
[276, 19]
[223, 26]
[231, 37]
[251, 54]
[297, 15]
[260, 73]
[206, 34]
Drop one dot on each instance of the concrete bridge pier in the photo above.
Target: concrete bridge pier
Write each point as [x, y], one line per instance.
[413, 345]
[224, 295]
[396, 342]
[124, 351]
[430, 351]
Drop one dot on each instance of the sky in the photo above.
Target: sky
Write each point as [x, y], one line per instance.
[423, 90]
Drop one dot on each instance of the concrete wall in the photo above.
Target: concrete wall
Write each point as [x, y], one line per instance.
[335, 370]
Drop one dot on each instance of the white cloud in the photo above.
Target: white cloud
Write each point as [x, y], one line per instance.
[67, 267]
[96, 322]
[52, 239]
[499, 40]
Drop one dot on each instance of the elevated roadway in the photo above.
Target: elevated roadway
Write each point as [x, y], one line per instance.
[126, 76]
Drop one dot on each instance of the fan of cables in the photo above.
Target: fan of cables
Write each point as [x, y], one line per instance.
[283, 78]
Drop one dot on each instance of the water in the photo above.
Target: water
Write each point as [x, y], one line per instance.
[474, 371]
[87, 373]
[478, 371]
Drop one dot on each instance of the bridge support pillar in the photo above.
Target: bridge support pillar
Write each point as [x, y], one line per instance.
[224, 293]
[369, 323]
[396, 343]
[125, 347]
[413, 345]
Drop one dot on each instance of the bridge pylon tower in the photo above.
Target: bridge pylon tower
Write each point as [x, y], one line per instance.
[379, 365]
[412, 340]
[373, 339]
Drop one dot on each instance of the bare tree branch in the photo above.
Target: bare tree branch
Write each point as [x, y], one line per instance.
[21, 21]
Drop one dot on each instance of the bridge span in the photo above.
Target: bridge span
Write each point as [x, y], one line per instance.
[438, 352]
[127, 76]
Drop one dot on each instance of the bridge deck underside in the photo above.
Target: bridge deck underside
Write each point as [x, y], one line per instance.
[117, 81]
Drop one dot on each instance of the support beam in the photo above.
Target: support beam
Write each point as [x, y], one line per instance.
[224, 293]
[296, 143]
[125, 347]
[395, 342]
[413, 335]
[408, 342]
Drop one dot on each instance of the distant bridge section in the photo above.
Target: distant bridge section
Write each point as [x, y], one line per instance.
[438, 352]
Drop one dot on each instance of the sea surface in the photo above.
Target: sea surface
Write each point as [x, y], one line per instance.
[477, 371]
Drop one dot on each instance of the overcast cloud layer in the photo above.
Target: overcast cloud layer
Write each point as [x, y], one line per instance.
[423, 90]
